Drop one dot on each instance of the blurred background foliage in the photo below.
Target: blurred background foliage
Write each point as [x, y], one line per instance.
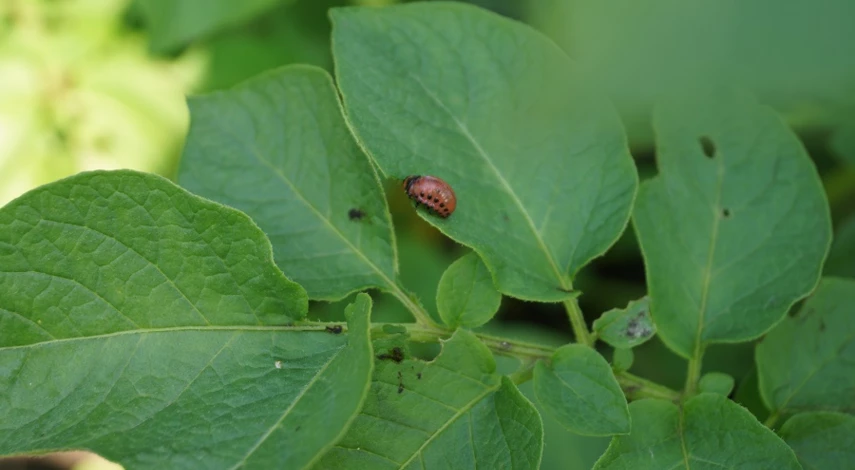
[88, 84]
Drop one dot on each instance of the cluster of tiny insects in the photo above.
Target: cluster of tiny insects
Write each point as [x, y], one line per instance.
[433, 192]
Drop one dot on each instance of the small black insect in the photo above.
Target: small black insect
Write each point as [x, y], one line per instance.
[355, 214]
[395, 354]
[335, 329]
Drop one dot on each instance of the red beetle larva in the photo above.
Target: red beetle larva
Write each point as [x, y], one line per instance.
[433, 192]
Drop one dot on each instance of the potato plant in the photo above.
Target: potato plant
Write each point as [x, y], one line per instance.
[167, 325]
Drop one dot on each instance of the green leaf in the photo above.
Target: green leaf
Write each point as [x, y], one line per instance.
[147, 324]
[735, 227]
[622, 359]
[543, 178]
[174, 24]
[453, 412]
[806, 362]
[821, 439]
[466, 295]
[716, 382]
[626, 327]
[710, 432]
[578, 387]
[277, 148]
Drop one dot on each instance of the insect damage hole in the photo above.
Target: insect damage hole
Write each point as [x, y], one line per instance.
[707, 146]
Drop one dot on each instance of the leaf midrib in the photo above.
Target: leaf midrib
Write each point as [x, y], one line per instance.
[277, 171]
[464, 130]
[204, 328]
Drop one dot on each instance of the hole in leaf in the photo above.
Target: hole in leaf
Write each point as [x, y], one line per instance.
[707, 146]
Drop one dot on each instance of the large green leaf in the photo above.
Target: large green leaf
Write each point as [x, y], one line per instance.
[174, 24]
[540, 167]
[453, 412]
[466, 295]
[710, 432]
[806, 362]
[735, 227]
[577, 386]
[151, 326]
[821, 439]
[277, 148]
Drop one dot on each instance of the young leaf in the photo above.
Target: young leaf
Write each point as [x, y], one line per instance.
[821, 439]
[626, 327]
[716, 382]
[805, 363]
[145, 324]
[277, 148]
[453, 412]
[578, 387]
[622, 359]
[543, 177]
[735, 227]
[176, 24]
[466, 295]
[710, 432]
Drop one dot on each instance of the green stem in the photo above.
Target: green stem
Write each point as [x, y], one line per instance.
[577, 322]
[772, 419]
[523, 374]
[633, 386]
[636, 388]
[421, 315]
[693, 374]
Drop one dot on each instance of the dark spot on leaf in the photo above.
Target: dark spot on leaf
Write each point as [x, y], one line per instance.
[298, 428]
[707, 146]
[394, 354]
[821, 325]
[355, 214]
[400, 382]
[419, 376]
[725, 212]
[401, 388]
[636, 328]
[335, 329]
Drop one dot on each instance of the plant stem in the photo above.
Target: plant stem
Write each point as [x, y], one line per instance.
[693, 374]
[636, 388]
[523, 374]
[577, 322]
[772, 419]
[421, 315]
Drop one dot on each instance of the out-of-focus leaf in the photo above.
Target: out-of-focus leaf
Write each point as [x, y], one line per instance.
[805, 363]
[539, 164]
[466, 295]
[821, 439]
[578, 387]
[736, 226]
[453, 412]
[626, 327]
[277, 148]
[174, 24]
[713, 432]
[133, 314]
[808, 76]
